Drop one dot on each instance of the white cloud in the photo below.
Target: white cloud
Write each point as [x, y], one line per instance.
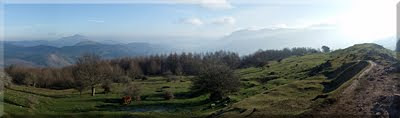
[209, 4]
[224, 21]
[96, 21]
[227, 20]
[216, 4]
[192, 21]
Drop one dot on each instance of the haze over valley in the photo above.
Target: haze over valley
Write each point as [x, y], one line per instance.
[199, 59]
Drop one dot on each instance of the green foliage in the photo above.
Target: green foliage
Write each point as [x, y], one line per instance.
[262, 57]
[218, 80]
[325, 49]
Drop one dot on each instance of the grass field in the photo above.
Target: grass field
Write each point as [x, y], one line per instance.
[278, 88]
[289, 85]
[22, 100]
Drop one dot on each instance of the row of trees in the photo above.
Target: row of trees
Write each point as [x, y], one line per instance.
[54, 78]
[91, 70]
[178, 64]
[214, 70]
[262, 57]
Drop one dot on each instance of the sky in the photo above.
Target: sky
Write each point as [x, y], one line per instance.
[365, 20]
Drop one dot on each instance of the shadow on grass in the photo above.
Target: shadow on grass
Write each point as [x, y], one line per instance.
[187, 95]
[346, 75]
[38, 94]
[12, 103]
[69, 115]
[151, 107]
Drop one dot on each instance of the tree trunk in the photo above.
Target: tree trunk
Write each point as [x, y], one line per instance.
[93, 91]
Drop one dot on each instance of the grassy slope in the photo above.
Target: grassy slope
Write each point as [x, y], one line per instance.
[289, 93]
[69, 102]
[293, 92]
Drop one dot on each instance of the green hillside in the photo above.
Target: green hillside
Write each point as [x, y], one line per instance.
[313, 81]
[292, 86]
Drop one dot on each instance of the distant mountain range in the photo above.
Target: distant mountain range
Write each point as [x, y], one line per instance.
[65, 41]
[246, 41]
[64, 51]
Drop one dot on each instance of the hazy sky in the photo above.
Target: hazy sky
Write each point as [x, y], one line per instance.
[49, 19]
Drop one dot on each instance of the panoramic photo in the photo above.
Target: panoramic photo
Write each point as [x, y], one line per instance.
[199, 58]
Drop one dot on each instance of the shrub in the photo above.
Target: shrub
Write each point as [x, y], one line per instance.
[126, 100]
[106, 85]
[168, 95]
[219, 80]
[143, 78]
[122, 79]
[134, 91]
[5, 81]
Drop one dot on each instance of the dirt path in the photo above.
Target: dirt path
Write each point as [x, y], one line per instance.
[371, 94]
[366, 71]
[356, 82]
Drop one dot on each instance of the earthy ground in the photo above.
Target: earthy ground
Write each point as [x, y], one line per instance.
[374, 93]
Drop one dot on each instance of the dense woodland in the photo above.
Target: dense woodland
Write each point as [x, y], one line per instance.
[91, 70]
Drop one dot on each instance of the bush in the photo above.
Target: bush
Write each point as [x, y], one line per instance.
[143, 78]
[122, 79]
[134, 91]
[5, 81]
[168, 95]
[219, 80]
[106, 85]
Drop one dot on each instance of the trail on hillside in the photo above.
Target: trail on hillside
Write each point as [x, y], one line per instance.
[371, 94]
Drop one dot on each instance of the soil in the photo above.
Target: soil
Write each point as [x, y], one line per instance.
[374, 93]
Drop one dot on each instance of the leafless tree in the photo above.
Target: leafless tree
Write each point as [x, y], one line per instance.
[90, 71]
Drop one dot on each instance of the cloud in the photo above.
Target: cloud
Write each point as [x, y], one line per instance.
[224, 21]
[215, 4]
[209, 4]
[227, 20]
[96, 21]
[192, 21]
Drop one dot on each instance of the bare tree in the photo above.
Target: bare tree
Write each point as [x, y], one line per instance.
[90, 71]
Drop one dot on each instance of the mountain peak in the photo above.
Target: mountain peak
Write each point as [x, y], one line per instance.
[76, 36]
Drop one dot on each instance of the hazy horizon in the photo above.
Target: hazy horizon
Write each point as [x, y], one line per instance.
[196, 18]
